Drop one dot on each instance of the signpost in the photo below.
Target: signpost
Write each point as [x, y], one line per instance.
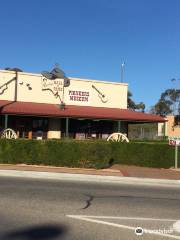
[175, 141]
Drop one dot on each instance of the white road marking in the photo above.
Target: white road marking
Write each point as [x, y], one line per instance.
[100, 221]
[127, 218]
[176, 226]
[149, 231]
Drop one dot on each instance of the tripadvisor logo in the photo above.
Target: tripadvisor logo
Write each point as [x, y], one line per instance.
[139, 231]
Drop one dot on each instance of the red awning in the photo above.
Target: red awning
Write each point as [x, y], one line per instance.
[53, 110]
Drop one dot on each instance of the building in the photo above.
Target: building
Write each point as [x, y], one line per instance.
[172, 126]
[35, 106]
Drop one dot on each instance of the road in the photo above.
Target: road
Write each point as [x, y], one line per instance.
[36, 209]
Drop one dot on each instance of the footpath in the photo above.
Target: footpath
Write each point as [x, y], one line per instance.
[115, 170]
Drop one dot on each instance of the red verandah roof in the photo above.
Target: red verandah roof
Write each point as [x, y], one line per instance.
[53, 110]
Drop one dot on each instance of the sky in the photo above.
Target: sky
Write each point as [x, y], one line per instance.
[92, 38]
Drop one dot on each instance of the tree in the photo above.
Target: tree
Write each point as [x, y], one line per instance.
[132, 105]
[168, 103]
[141, 106]
[13, 69]
[161, 108]
[172, 97]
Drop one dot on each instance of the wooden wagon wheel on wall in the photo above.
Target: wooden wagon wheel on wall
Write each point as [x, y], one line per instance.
[9, 133]
[117, 137]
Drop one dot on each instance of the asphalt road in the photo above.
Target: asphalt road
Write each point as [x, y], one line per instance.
[34, 209]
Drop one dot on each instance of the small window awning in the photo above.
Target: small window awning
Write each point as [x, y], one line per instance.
[53, 110]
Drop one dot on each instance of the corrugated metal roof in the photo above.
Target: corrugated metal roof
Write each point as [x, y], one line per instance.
[52, 110]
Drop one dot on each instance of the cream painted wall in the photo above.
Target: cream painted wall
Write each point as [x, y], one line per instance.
[7, 91]
[161, 130]
[115, 93]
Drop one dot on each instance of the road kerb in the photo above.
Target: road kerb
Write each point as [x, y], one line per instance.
[88, 178]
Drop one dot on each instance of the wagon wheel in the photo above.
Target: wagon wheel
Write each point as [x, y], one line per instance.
[8, 133]
[117, 137]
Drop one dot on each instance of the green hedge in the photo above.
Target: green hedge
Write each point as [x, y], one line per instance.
[89, 154]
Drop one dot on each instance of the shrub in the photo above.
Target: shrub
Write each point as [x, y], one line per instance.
[144, 154]
[88, 154]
